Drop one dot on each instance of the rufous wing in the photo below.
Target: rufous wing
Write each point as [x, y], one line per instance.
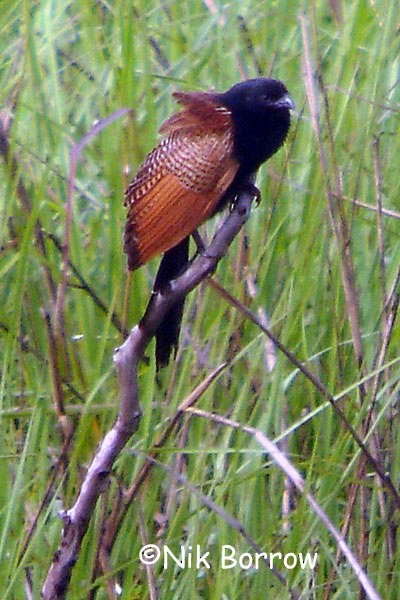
[180, 183]
[200, 109]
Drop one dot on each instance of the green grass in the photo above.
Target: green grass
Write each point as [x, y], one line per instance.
[65, 65]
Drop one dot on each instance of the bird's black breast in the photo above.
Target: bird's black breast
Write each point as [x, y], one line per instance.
[257, 139]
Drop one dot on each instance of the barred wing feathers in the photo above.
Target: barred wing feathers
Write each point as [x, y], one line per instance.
[182, 180]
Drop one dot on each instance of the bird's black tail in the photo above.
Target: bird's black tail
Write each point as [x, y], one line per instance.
[167, 335]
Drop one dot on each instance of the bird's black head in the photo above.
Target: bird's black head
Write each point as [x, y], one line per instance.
[261, 115]
[258, 95]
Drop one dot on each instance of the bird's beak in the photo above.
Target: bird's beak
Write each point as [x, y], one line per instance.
[286, 102]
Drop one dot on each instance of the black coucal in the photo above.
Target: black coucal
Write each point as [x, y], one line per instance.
[211, 150]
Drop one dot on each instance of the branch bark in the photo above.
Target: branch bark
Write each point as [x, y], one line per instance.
[127, 358]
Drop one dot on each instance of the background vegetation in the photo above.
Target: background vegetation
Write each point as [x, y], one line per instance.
[65, 65]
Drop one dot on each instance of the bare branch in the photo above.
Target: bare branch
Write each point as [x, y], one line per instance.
[127, 358]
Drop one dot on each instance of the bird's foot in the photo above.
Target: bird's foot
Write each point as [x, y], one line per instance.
[251, 188]
[198, 240]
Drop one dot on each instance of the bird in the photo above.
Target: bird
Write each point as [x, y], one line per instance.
[211, 150]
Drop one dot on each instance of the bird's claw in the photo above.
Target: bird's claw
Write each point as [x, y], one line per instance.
[253, 189]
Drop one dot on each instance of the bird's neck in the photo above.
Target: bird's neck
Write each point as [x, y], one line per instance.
[257, 139]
